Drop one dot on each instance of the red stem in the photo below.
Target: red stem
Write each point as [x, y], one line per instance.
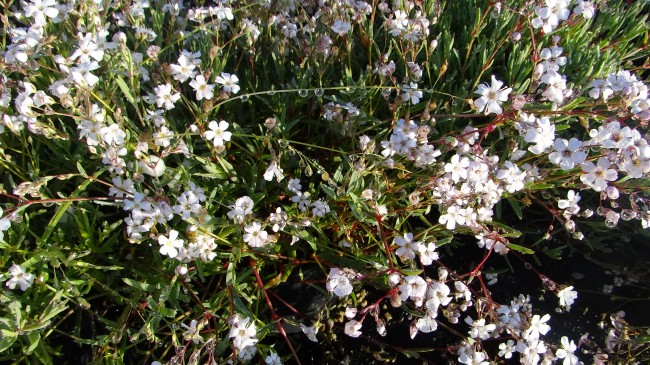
[274, 315]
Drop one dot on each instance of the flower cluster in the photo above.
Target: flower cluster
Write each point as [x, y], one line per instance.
[244, 147]
[244, 336]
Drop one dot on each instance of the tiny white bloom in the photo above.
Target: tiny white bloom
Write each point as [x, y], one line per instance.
[310, 332]
[274, 170]
[217, 133]
[5, 223]
[353, 328]
[255, 236]
[338, 283]
[19, 277]
[491, 96]
[169, 245]
[229, 82]
[340, 27]
[567, 352]
[567, 297]
[202, 88]
[273, 359]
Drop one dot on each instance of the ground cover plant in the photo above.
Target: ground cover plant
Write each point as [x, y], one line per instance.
[251, 181]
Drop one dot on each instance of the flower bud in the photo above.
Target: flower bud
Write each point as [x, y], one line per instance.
[394, 279]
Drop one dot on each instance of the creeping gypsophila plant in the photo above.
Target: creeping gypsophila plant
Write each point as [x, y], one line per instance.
[185, 182]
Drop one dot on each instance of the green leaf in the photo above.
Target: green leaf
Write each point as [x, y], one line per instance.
[98, 267]
[139, 285]
[412, 272]
[555, 253]
[509, 231]
[230, 272]
[7, 337]
[81, 170]
[214, 171]
[521, 249]
[410, 354]
[329, 191]
[125, 90]
[34, 339]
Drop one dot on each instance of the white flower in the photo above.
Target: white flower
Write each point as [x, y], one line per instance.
[302, 199]
[567, 153]
[255, 236]
[457, 167]
[537, 326]
[531, 350]
[437, 294]
[152, 166]
[82, 74]
[202, 88]
[247, 353]
[169, 245]
[426, 324]
[353, 328]
[184, 70]
[164, 96]
[585, 8]
[218, 133]
[320, 208]
[274, 170]
[5, 223]
[338, 283]
[243, 332]
[479, 328]
[273, 359]
[413, 287]
[475, 358]
[491, 96]
[229, 82]
[192, 332]
[570, 204]
[411, 93]
[556, 88]
[113, 135]
[552, 58]
[294, 185]
[567, 296]
[341, 28]
[506, 349]
[19, 277]
[407, 248]
[39, 9]
[350, 312]
[310, 332]
[567, 352]
[427, 253]
[597, 176]
[87, 49]
[242, 207]
[278, 219]
[512, 177]
[223, 12]
[600, 87]
[453, 216]
[541, 132]
[163, 137]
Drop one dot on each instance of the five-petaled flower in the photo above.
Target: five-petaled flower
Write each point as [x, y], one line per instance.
[491, 96]
[169, 245]
[19, 277]
[217, 133]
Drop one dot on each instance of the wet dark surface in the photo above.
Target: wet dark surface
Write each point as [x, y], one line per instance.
[589, 313]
